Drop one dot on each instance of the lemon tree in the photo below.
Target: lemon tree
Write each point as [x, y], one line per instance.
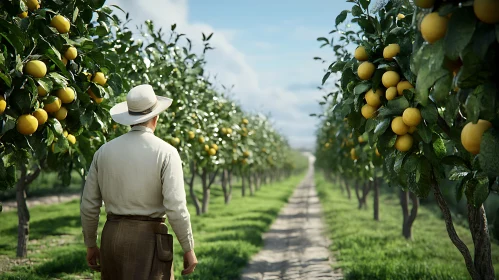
[420, 81]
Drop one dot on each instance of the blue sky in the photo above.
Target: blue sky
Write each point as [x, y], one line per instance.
[264, 48]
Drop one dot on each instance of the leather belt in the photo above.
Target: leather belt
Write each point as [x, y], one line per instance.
[112, 217]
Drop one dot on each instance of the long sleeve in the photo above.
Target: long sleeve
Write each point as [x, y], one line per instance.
[174, 200]
[91, 203]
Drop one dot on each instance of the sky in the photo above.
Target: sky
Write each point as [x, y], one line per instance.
[265, 49]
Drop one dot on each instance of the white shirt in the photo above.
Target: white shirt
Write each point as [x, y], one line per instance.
[136, 174]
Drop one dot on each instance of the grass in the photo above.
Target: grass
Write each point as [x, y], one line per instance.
[225, 238]
[372, 250]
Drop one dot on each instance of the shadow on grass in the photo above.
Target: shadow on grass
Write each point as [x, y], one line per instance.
[50, 226]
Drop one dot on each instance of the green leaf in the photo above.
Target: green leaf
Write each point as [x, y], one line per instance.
[365, 3]
[326, 76]
[411, 164]
[338, 66]
[472, 106]
[399, 160]
[376, 79]
[356, 11]
[46, 83]
[423, 179]
[454, 160]
[442, 88]
[481, 191]
[460, 190]
[370, 124]
[56, 126]
[6, 78]
[460, 30]
[361, 88]
[424, 132]
[439, 148]
[489, 152]
[381, 127]
[458, 172]
[341, 17]
[429, 113]
[398, 105]
[483, 38]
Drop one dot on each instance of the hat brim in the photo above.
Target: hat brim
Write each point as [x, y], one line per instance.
[119, 112]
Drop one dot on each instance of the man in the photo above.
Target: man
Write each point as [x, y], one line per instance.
[139, 177]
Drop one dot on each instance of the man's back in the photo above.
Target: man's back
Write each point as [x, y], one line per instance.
[130, 169]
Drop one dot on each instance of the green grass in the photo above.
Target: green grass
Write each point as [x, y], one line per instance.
[225, 238]
[372, 250]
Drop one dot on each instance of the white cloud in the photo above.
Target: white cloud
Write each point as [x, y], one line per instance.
[231, 67]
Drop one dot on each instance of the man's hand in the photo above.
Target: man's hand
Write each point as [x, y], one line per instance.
[190, 262]
[93, 258]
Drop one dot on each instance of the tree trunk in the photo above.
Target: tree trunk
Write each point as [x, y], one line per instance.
[347, 187]
[408, 218]
[250, 185]
[243, 186]
[481, 239]
[226, 186]
[194, 198]
[376, 200]
[206, 192]
[229, 183]
[365, 191]
[452, 232]
[357, 194]
[22, 215]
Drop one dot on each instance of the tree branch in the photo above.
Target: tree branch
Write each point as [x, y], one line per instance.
[32, 176]
[213, 177]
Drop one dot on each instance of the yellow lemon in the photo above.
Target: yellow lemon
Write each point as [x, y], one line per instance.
[27, 124]
[326, 145]
[400, 16]
[175, 141]
[361, 54]
[391, 51]
[41, 91]
[487, 10]
[32, 5]
[212, 152]
[3, 104]
[246, 154]
[100, 79]
[433, 27]
[424, 3]
[391, 93]
[373, 98]
[96, 99]
[360, 139]
[377, 152]
[214, 146]
[54, 106]
[61, 114]
[399, 127]
[365, 70]
[65, 133]
[229, 130]
[390, 79]
[353, 155]
[368, 111]
[404, 142]
[41, 115]
[23, 15]
[36, 68]
[245, 121]
[224, 131]
[201, 140]
[71, 139]
[403, 85]
[471, 135]
[412, 129]
[64, 61]
[71, 53]
[67, 94]
[411, 116]
[191, 134]
[60, 23]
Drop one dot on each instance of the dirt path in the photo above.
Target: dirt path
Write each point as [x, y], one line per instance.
[295, 246]
[44, 200]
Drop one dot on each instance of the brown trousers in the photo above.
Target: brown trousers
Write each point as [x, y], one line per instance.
[129, 250]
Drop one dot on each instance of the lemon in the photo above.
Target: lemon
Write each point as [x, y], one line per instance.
[245, 121]
[424, 3]
[244, 161]
[403, 85]
[391, 51]
[71, 139]
[41, 91]
[65, 133]
[224, 130]
[64, 61]
[246, 154]
[41, 115]
[373, 98]
[3, 104]
[390, 79]
[365, 70]
[353, 155]
[400, 16]
[175, 141]
[23, 15]
[404, 142]
[326, 145]
[361, 54]
[377, 152]
[399, 127]
[67, 94]
[60, 23]
[191, 134]
[99, 78]
[27, 124]
[212, 152]
[61, 114]
[96, 99]
[229, 130]
[201, 140]
[54, 106]
[32, 5]
[36, 68]
[391, 93]
[360, 139]
[471, 135]
[433, 27]
[411, 116]
[214, 146]
[71, 53]
[368, 111]
[487, 10]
